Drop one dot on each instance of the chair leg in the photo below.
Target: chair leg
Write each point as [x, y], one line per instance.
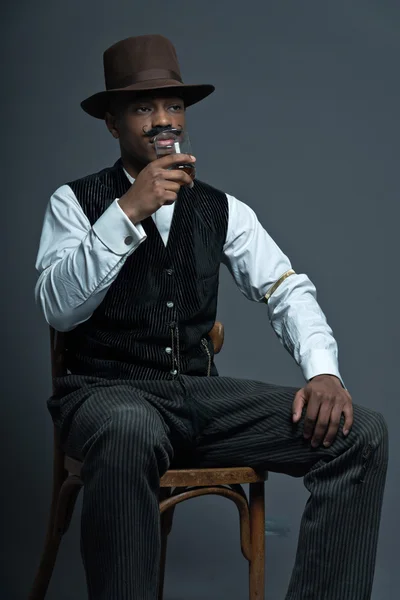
[60, 517]
[166, 525]
[46, 566]
[66, 503]
[257, 527]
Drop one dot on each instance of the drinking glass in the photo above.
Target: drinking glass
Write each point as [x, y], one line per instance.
[174, 141]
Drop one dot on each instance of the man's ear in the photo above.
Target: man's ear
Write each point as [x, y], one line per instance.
[112, 125]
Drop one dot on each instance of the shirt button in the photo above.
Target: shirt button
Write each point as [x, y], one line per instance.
[170, 304]
[128, 240]
[168, 350]
[174, 372]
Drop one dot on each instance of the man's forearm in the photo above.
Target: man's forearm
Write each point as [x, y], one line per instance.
[77, 263]
[67, 295]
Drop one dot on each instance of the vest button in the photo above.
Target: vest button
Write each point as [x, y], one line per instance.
[169, 271]
[174, 372]
[128, 240]
[170, 304]
[168, 350]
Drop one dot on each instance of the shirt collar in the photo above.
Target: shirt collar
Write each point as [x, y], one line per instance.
[131, 179]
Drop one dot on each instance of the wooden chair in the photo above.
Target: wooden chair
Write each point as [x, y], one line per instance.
[176, 486]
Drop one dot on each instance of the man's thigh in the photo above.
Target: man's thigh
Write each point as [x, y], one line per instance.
[117, 407]
[146, 408]
[243, 422]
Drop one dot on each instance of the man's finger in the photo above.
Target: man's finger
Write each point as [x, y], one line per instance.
[298, 404]
[178, 175]
[322, 424]
[333, 425]
[170, 197]
[310, 419]
[348, 418]
[171, 186]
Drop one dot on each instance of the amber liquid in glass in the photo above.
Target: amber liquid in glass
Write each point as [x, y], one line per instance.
[188, 168]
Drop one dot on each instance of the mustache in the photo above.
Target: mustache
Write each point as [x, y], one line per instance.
[160, 129]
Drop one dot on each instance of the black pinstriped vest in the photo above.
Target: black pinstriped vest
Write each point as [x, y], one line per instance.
[154, 320]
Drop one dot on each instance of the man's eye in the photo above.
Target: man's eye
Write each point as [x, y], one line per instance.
[142, 109]
[176, 107]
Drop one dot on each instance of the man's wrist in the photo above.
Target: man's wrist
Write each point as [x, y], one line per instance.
[130, 212]
[323, 376]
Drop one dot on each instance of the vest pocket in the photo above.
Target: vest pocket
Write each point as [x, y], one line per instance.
[207, 351]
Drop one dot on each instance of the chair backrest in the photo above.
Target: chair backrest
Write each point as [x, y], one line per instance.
[57, 348]
[57, 353]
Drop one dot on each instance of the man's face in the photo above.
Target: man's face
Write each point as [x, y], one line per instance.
[135, 122]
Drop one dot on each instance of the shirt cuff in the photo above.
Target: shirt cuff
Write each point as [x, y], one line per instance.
[117, 232]
[320, 362]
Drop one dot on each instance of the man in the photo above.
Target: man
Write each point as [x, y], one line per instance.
[128, 261]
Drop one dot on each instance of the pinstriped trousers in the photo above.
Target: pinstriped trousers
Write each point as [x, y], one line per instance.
[128, 433]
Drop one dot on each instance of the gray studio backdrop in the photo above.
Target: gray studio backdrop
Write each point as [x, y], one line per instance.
[304, 127]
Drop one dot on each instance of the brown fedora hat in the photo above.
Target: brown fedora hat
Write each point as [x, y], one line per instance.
[140, 64]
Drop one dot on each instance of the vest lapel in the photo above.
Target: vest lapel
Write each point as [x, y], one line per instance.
[121, 182]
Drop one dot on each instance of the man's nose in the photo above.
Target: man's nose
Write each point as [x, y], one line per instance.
[161, 118]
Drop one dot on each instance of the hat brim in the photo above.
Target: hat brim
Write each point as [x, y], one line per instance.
[98, 104]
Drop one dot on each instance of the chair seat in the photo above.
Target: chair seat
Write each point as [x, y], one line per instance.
[211, 477]
[192, 477]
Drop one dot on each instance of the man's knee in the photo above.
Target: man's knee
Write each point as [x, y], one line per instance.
[132, 433]
[371, 426]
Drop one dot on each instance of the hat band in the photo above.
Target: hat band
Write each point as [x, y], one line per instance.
[141, 76]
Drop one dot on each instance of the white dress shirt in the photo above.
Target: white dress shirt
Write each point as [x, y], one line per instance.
[78, 262]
